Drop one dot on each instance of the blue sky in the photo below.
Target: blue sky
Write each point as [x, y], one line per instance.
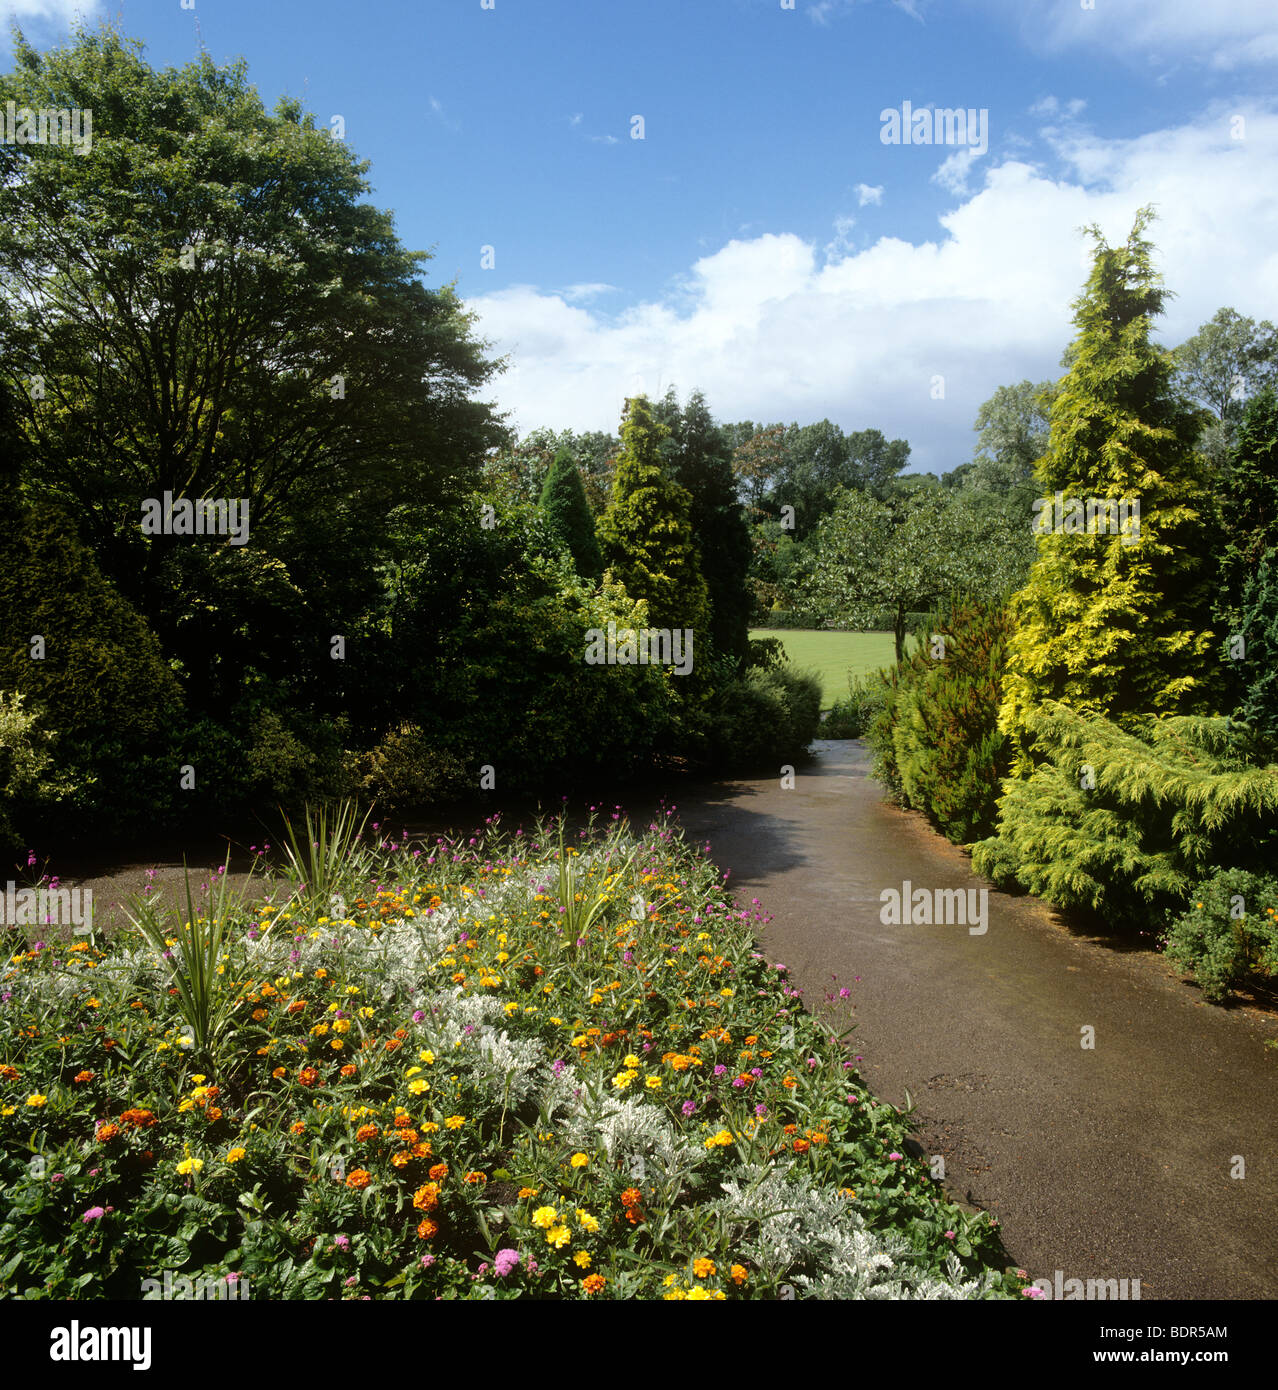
[762, 241]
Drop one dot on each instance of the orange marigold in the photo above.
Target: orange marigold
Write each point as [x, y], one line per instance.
[439, 1172]
[83, 1076]
[427, 1228]
[308, 1076]
[366, 1132]
[426, 1198]
[107, 1131]
[631, 1197]
[359, 1178]
[349, 1069]
[593, 1283]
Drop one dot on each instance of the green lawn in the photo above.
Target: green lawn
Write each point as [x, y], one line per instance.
[832, 655]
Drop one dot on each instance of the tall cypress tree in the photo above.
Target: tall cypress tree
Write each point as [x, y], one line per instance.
[1116, 624]
[563, 500]
[645, 534]
[700, 459]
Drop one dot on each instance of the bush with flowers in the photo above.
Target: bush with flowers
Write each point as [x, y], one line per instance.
[506, 1066]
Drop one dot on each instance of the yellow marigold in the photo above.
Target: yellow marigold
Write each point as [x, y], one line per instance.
[454, 1122]
[582, 1259]
[699, 1295]
[418, 1087]
[36, 1101]
[558, 1236]
[190, 1165]
[587, 1222]
[579, 1160]
[720, 1140]
[545, 1217]
[234, 1155]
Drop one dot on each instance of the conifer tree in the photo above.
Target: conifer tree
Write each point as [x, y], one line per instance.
[1111, 624]
[563, 500]
[700, 459]
[645, 534]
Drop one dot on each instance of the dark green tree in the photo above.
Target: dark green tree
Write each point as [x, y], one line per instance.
[700, 459]
[211, 307]
[563, 500]
[646, 535]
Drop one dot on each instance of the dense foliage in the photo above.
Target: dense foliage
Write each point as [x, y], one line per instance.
[936, 738]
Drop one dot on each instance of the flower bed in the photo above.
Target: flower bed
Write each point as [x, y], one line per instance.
[513, 1068]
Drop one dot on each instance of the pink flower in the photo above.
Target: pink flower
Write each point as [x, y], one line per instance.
[1032, 1292]
[93, 1214]
[895, 1157]
[949, 1235]
[504, 1262]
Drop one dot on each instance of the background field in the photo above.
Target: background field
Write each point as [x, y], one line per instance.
[833, 655]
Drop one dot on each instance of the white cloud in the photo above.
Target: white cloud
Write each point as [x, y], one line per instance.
[842, 242]
[954, 169]
[50, 11]
[769, 330]
[1050, 106]
[588, 290]
[1224, 35]
[867, 193]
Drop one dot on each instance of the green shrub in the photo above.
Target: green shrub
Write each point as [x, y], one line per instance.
[404, 771]
[766, 654]
[24, 760]
[768, 716]
[1126, 825]
[1229, 932]
[100, 689]
[853, 716]
[937, 738]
